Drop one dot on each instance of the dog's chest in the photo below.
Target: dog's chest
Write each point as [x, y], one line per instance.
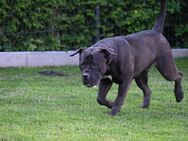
[114, 76]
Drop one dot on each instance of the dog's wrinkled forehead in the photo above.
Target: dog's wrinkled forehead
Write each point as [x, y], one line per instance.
[89, 55]
[86, 53]
[85, 56]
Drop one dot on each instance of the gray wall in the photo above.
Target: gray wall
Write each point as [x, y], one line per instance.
[51, 58]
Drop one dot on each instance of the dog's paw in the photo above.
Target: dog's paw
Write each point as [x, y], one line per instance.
[146, 102]
[115, 111]
[111, 104]
[179, 95]
[144, 106]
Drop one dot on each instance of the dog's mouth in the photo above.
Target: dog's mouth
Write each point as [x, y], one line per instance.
[90, 84]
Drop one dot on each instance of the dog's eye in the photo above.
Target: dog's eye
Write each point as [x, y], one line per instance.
[94, 65]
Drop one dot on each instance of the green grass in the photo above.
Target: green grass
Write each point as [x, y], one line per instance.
[45, 108]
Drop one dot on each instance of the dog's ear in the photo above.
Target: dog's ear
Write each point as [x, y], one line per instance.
[108, 51]
[109, 54]
[77, 51]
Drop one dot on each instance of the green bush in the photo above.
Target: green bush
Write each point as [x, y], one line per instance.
[39, 25]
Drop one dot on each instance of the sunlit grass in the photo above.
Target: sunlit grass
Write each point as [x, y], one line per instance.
[36, 107]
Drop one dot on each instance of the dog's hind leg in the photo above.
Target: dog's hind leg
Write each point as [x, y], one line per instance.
[104, 87]
[178, 88]
[142, 82]
[166, 66]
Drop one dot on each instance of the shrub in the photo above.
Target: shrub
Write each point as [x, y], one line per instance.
[39, 25]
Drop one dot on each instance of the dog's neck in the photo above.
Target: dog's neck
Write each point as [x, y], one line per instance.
[109, 64]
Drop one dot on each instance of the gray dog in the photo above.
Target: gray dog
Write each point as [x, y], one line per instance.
[125, 58]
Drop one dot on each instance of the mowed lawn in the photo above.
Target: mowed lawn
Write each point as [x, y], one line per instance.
[34, 107]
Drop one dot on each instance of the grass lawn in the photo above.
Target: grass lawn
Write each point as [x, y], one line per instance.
[34, 107]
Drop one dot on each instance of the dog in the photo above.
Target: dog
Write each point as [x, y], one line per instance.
[125, 58]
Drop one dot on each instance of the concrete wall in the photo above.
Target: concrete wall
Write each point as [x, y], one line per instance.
[51, 58]
[180, 53]
[36, 59]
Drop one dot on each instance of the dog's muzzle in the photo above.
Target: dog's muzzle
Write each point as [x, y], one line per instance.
[89, 81]
[86, 80]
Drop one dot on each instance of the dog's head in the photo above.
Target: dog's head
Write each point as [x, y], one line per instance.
[93, 63]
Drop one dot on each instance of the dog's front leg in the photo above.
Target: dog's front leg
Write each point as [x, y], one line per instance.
[104, 87]
[122, 93]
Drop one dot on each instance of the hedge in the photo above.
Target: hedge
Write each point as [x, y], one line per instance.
[40, 25]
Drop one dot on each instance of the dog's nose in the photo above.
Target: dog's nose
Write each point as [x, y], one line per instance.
[85, 76]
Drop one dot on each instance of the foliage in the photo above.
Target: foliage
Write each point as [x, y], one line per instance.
[60, 25]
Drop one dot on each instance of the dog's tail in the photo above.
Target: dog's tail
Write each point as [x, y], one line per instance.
[159, 24]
